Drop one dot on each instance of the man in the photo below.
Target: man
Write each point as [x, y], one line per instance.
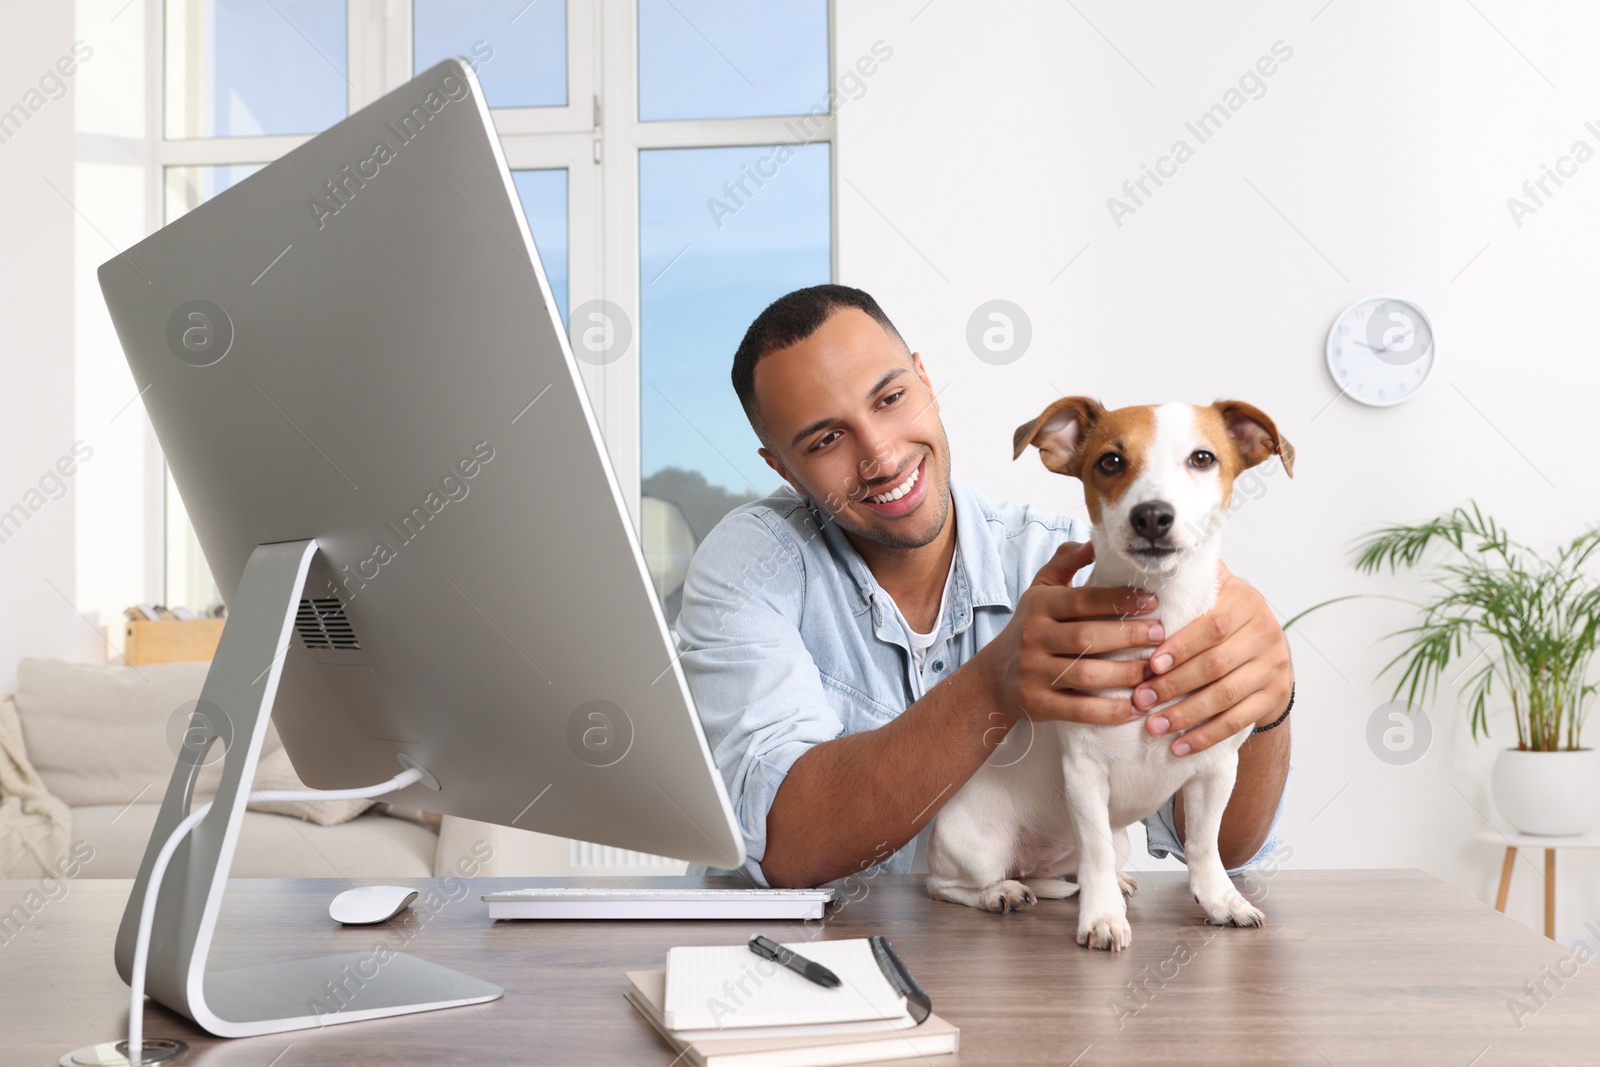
[857, 649]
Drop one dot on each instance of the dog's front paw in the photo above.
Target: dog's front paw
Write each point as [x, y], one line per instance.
[1231, 909]
[1110, 932]
[1007, 896]
[1129, 886]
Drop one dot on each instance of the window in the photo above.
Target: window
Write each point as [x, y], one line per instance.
[532, 35]
[705, 271]
[245, 68]
[709, 59]
[654, 147]
[544, 200]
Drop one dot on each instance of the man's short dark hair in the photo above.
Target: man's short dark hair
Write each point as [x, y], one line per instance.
[789, 320]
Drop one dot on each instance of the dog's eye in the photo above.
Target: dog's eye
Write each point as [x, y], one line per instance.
[1110, 463]
[1202, 460]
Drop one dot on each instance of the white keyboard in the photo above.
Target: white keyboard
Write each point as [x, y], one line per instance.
[624, 903]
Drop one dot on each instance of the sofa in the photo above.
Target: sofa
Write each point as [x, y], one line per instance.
[86, 752]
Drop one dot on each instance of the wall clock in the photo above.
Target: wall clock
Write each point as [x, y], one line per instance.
[1381, 350]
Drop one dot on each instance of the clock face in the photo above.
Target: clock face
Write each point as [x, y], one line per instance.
[1381, 350]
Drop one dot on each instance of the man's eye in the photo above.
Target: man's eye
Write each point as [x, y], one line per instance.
[1202, 459]
[893, 397]
[824, 440]
[1110, 463]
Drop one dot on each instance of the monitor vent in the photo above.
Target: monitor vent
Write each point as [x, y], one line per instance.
[321, 623]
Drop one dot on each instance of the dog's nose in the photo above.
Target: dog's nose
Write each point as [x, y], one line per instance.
[1151, 520]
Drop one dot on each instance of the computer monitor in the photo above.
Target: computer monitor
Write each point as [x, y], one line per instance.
[363, 389]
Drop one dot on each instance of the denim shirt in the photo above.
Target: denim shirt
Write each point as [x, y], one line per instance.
[787, 641]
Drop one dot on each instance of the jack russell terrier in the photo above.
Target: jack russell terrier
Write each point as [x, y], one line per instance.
[1158, 481]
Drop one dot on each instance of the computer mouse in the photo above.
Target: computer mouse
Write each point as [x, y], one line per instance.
[370, 904]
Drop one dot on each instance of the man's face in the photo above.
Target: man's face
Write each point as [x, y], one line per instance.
[850, 416]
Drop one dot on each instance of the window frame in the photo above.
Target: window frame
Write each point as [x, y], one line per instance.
[597, 138]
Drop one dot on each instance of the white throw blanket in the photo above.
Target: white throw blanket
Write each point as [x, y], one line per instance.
[35, 827]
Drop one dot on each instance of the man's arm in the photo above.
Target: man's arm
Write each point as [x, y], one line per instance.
[1246, 821]
[853, 801]
[850, 802]
[1234, 663]
[847, 797]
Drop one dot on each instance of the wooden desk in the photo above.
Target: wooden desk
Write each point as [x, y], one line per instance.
[1357, 967]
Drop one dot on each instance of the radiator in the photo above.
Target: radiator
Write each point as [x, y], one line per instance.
[592, 859]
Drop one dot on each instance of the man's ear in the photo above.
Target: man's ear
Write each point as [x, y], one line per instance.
[780, 470]
[1254, 434]
[922, 372]
[1059, 432]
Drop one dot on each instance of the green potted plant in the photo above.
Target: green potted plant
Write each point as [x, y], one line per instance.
[1517, 620]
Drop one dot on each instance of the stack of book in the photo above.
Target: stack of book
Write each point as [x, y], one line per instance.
[724, 1006]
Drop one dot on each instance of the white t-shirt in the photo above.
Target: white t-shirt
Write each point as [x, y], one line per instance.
[920, 642]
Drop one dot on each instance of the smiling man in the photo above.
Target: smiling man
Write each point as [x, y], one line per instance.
[858, 647]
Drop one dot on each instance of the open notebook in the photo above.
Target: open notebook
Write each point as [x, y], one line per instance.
[728, 987]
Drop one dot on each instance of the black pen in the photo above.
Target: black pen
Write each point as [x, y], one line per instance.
[769, 949]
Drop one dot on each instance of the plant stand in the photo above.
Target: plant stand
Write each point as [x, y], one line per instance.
[1514, 841]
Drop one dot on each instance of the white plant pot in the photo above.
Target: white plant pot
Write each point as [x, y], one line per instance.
[1553, 794]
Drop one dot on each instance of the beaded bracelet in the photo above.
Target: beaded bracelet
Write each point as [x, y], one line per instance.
[1279, 720]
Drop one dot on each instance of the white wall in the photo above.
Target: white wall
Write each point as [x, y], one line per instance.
[985, 151]
[120, 535]
[62, 369]
[37, 582]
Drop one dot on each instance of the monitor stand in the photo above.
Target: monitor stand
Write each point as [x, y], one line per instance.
[273, 997]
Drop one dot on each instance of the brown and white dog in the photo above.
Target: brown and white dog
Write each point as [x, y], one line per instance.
[1158, 482]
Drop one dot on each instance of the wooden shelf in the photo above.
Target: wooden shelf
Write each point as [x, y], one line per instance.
[171, 640]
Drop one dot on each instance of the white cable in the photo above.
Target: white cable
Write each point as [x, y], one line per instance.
[158, 871]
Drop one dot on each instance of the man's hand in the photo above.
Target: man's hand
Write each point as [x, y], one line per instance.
[1234, 663]
[1046, 653]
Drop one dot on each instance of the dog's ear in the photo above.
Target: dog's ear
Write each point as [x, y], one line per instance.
[1254, 434]
[1059, 432]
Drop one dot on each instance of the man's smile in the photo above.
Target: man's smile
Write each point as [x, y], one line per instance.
[904, 497]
